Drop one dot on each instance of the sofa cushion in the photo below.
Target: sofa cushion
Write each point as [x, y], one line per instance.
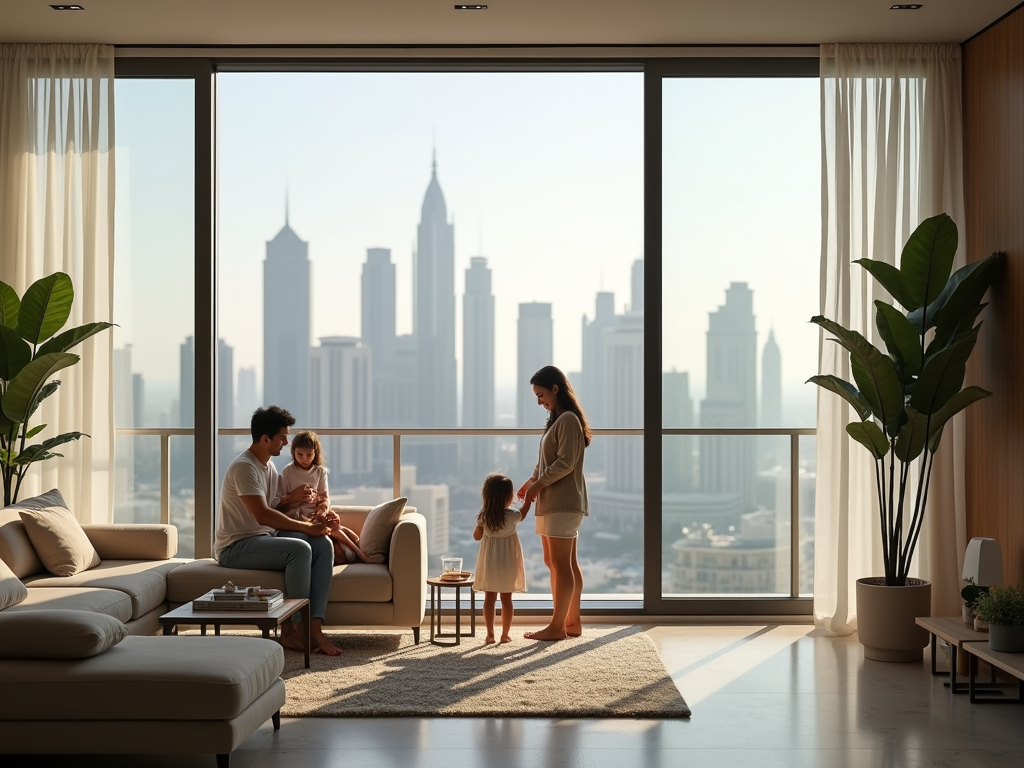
[58, 634]
[144, 678]
[145, 582]
[191, 580]
[12, 591]
[133, 541]
[361, 583]
[15, 548]
[58, 538]
[375, 537]
[110, 602]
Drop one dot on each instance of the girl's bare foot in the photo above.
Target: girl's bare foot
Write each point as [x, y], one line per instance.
[548, 633]
[489, 639]
[506, 639]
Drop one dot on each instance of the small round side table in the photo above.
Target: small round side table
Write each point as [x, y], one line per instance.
[436, 585]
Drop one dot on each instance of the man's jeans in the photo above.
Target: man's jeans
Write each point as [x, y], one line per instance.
[307, 562]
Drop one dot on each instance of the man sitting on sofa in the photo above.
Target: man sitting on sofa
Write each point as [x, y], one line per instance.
[253, 531]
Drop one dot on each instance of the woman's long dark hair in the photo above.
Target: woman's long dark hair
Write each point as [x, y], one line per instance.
[496, 495]
[548, 377]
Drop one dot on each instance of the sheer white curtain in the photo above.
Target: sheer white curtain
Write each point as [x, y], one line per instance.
[57, 215]
[891, 157]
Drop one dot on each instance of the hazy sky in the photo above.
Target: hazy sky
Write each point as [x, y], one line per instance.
[542, 174]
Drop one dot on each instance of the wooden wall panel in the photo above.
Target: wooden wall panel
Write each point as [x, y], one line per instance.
[993, 94]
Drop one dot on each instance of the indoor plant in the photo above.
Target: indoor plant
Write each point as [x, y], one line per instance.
[1003, 609]
[31, 352]
[904, 396]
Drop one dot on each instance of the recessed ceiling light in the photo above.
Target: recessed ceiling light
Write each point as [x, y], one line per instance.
[68, 7]
[906, 7]
[471, 7]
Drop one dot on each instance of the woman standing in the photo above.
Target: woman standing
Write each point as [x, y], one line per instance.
[560, 492]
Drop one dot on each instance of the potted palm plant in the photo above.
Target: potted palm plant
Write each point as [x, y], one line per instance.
[904, 395]
[32, 350]
[1003, 609]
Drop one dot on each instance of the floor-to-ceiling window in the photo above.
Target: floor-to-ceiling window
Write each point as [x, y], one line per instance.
[397, 252]
[740, 163]
[154, 303]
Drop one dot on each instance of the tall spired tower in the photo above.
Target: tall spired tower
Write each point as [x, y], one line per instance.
[434, 331]
[286, 324]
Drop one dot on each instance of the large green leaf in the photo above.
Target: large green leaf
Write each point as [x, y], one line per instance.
[45, 307]
[891, 280]
[967, 287]
[873, 371]
[912, 437]
[845, 390]
[927, 259]
[943, 375]
[900, 336]
[43, 450]
[946, 335]
[9, 305]
[870, 436]
[962, 291]
[14, 353]
[5, 422]
[64, 341]
[958, 402]
[24, 389]
[45, 392]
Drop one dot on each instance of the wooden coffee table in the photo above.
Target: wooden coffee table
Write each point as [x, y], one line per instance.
[264, 620]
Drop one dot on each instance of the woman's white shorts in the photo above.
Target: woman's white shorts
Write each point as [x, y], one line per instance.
[559, 525]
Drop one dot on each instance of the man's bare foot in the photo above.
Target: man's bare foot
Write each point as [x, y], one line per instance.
[291, 636]
[548, 633]
[506, 639]
[573, 630]
[489, 639]
[320, 644]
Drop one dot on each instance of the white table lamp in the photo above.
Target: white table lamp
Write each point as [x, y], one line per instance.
[983, 562]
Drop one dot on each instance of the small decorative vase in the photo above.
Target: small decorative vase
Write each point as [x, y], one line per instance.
[980, 624]
[1006, 639]
[967, 614]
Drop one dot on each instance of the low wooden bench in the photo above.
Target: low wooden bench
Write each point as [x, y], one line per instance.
[1011, 663]
[954, 631]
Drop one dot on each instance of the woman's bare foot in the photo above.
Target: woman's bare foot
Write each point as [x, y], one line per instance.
[506, 639]
[573, 630]
[548, 633]
[489, 639]
[291, 636]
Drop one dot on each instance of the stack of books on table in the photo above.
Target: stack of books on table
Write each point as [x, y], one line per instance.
[239, 600]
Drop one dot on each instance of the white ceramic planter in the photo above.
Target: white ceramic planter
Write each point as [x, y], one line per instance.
[885, 619]
[1006, 639]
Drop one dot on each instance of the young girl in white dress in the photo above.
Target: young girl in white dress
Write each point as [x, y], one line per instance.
[307, 468]
[499, 566]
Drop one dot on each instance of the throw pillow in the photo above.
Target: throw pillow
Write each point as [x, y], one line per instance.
[12, 591]
[58, 538]
[58, 634]
[375, 538]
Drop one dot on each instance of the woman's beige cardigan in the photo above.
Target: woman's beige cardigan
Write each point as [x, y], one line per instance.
[559, 468]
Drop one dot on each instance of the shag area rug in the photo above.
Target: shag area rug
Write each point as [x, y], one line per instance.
[611, 671]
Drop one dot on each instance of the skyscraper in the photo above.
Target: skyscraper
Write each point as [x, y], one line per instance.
[286, 323]
[478, 367]
[434, 331]
[225, 405]
[341, 395]
[624, 408]
[247, 400]
[187, 383]
[591, 389]
[677, 474]
[636, 285]
[771, 383]
[727, 463]
[378, 315]
[535, 350]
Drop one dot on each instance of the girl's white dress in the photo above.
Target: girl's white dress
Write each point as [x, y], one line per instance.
[499, 566]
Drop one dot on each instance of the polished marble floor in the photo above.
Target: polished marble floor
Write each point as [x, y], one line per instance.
[766, 695]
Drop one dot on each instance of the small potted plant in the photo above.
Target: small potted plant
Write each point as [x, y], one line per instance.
[971, 594]
[1003, 609]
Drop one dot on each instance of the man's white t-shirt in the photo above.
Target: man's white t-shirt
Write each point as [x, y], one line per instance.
[246, 476]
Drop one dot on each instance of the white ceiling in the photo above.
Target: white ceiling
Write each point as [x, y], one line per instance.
[519, 22]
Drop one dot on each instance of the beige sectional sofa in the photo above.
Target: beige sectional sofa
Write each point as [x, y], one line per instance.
[166, 694]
